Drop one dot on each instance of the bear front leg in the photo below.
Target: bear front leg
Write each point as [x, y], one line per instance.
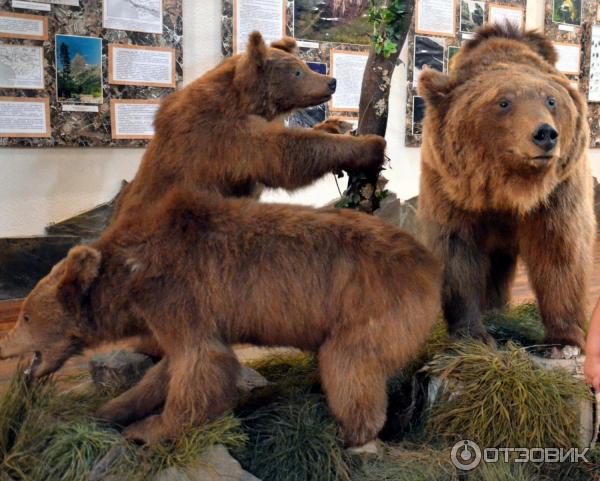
[464, 282]
[557, 246]
[202, 386]
[297, 157]
[139, 401]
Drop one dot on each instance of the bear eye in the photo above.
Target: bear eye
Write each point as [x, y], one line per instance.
[551, 102]
[504, 104]
[26, 318]
[298, 73]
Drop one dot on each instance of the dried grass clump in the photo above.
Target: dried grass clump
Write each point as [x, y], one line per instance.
[48, 434]
[502, 398]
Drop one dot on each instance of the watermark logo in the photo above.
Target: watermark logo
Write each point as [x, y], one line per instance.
[467, 455]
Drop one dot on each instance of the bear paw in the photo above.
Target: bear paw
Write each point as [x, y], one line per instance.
[147, 431]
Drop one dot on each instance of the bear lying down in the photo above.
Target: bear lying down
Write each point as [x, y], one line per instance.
[201, 273]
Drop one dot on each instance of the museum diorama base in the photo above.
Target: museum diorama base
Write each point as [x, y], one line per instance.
[282, 429]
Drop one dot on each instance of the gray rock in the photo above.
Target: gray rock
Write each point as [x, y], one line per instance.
[400, 214]
[214, 465]
[118, 369]
[249, 379]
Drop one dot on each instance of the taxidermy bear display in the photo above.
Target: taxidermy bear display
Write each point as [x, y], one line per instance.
[200, 273]
[504, 174]
[219, 132]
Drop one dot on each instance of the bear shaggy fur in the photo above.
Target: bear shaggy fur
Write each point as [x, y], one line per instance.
[200, 274]
[223, 131]
[504, 174]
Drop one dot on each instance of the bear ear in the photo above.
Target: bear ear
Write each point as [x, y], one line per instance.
[287, 44]
[256, 49]
[541, 45]
[82, 266]
[434, 86]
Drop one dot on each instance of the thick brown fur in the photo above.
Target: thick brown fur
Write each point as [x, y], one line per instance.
[222, 132]
[201, 272]
[490, 194]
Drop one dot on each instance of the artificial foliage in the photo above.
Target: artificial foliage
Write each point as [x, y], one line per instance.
[284, 431]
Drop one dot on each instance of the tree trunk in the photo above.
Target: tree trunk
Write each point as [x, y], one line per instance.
[373, 113]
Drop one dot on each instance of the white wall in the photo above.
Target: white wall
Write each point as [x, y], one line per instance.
[41, 186]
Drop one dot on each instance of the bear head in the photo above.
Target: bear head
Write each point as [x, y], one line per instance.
[53, 321]
[273, 81]
[504, 127]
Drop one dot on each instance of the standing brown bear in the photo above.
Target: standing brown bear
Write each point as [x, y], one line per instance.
[504, 174]
[201, 272]
[219, 133]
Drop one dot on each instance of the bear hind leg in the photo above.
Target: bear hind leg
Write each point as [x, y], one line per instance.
[356, 393]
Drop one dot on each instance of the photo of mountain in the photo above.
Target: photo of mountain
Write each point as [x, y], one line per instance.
[79, 69]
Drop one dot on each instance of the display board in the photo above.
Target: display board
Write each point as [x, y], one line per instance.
[436, 33]
[575, 28]
[86, 73]
[333, 37]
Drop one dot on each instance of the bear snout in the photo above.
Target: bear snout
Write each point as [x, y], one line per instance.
[332, 85]
[545, 137]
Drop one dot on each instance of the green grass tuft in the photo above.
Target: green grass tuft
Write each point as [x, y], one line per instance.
[502, 398]
[521, 324]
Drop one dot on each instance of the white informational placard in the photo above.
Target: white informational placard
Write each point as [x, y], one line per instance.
[265, 16]
[504, 13]
[435, 17]
[348, 68]
[68, 3]
[594, 94]
[134, 15]
[21, 67]
[568, 57]
[23, 25]
[133, 119]
[143, 66]
[43, 7]
[24, 117]
[80, 108]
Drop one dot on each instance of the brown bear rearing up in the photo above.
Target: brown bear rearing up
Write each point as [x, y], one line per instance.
[504, 174]
[201, 272]
[219, 134]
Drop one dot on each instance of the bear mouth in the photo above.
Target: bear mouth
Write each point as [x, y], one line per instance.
[34, 365]
[540, 160]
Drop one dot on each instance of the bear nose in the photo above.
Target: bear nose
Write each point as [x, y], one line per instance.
[332, 85]
[545, 137]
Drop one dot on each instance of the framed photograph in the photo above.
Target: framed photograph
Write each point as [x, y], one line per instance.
[348, 67]
[569, 57]
[79, 69]
[472, 15]
[499, 13]
[435, 17]
[133, 119]
[318, 67]
[22, 25]
[24, 117]
[451, 52]
[268, 17]
[418, 115]
[428, 51]
[21, 67]
[332, 21]
[141, 66]
[567, 12]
